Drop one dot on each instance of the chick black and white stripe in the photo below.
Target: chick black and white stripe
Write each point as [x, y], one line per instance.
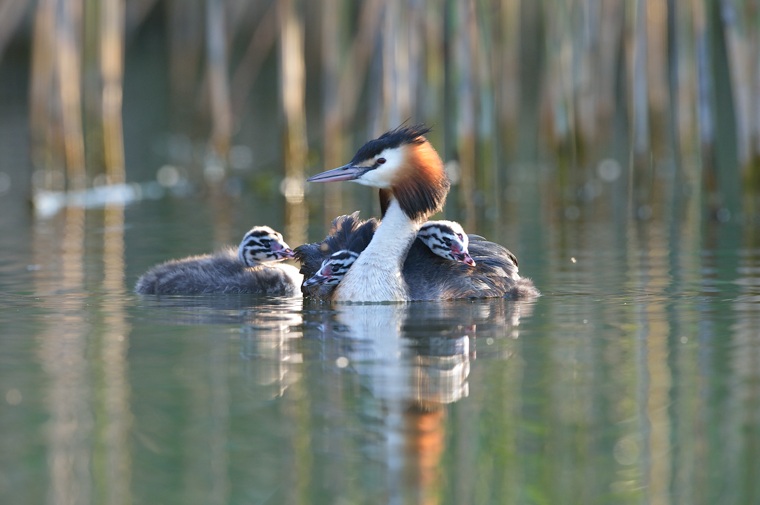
[446, 239]
[333, 269]
[262, 244]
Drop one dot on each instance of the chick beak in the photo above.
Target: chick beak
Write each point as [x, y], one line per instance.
[466, 259]
[286, 253]
[315, 280]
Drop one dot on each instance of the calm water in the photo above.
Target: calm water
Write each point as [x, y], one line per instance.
[634, 379]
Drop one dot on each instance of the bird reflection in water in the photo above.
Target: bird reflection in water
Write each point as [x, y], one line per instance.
[267, 347]
[412, 361]
[269, 326]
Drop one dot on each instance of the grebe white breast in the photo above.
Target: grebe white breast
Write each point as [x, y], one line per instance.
[410, 174]
[253, 268]
[443, 238]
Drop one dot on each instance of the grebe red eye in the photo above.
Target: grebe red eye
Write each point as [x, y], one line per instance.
[380, 161]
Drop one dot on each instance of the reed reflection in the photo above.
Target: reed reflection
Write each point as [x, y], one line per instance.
[115, 475]
[268, 346]
[87, 400]
[63, 355]
[269, 327]
[411, 361]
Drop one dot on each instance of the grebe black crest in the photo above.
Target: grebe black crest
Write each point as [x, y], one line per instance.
[251, 268]
[410, 174]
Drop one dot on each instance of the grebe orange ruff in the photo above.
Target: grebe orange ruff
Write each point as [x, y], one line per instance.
[393, 267]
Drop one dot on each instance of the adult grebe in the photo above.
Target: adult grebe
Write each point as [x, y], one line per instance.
[413, 184]
[444, 238]
[252, 268]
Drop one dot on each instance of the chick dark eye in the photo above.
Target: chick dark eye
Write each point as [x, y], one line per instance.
[461, 237]
[380, 161]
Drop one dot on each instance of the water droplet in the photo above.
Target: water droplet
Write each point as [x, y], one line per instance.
[13, 397]
[168, 176]
[609, 170]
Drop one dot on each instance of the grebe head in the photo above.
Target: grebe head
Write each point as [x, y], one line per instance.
[262, 244]
[403, 162]
[446, 239]
[333, 269]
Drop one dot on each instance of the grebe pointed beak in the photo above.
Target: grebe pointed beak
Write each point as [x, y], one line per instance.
[347, 172]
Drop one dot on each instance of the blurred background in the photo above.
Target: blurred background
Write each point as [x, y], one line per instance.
[631, 98]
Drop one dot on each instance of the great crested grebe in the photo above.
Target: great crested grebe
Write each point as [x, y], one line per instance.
[413, 185]
[446, 239]
[252, 268]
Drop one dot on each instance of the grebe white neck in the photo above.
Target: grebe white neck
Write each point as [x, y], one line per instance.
[376, 275]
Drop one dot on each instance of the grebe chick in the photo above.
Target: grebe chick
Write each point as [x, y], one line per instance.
[347, 233]
[409, 173]
[253, 269]
[444, 238]
[333, 269]
[262, 244]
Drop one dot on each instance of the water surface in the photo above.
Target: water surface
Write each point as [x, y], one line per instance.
[634, 378]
